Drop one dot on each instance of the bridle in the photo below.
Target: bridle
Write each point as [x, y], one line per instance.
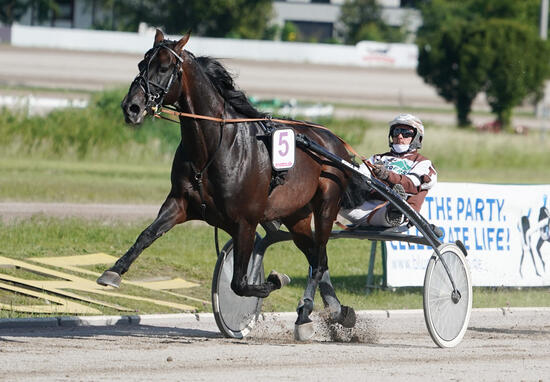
[155, 92]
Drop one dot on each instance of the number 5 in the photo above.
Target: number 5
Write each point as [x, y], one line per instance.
[283, 142]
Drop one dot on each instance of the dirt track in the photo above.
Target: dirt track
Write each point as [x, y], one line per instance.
[511, 345]
[10, 211]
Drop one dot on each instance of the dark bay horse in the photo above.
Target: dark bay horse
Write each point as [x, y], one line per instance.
[222, 174]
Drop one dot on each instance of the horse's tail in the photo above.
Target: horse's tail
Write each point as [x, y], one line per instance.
[356, 192]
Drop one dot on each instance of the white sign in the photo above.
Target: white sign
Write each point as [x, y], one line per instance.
[283, 149]
[503, 227]
[376, 54]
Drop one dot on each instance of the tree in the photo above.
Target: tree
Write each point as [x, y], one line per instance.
[289, 32]
[519, 68]
[455, 61]
[470, 46]
[12, 10]
[214, 18]
[362, 20]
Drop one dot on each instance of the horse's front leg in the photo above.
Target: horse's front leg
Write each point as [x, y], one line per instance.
[243, 246]
[171, 213]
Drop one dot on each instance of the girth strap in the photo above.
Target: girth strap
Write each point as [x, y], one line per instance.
[198, 174]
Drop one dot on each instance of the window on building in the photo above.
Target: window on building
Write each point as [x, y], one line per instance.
[65, 13]
[410, 3]
[313, 31]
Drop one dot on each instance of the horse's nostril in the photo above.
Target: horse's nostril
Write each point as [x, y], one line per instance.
[134, 109]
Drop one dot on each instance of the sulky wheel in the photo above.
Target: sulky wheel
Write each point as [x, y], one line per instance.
[447, 313]
[234, 315]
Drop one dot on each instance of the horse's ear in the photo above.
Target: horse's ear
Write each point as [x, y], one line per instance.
[181, 43]
[159, 36]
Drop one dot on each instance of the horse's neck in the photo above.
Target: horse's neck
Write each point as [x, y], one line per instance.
[200, 138]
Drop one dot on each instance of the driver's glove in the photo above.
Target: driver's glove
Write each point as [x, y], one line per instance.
[380, 171]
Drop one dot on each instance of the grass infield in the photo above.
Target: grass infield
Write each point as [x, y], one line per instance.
[188, 251]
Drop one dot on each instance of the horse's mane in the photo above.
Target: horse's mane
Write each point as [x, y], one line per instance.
[223, 82]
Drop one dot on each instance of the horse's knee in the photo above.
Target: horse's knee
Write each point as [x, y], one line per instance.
[146, 236]
[317, 272]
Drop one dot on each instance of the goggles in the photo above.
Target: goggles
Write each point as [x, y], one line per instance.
[405, 132]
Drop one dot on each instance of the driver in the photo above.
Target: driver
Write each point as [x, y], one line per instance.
[409, 173]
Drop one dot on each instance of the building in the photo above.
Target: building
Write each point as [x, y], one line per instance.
[81, 14]
[318, 18]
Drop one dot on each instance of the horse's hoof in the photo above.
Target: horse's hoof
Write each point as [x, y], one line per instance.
[279, 279]
[303, 332]
[347, 317]
[109, 278]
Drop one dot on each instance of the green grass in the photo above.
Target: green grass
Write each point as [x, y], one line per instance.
[523, 111]
[25, 179]
[92, 156]
[97, 133]
[459, 156]
[188, 252]
[185, 252]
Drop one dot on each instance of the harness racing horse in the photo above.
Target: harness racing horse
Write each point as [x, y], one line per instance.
[222, 173]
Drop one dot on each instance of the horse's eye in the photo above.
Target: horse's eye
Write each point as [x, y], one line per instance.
[163, 69]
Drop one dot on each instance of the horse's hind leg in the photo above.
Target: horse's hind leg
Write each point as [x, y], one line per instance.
[339, 313]
[300, 227]
[342, 314]
[171, 213]
[325, 213]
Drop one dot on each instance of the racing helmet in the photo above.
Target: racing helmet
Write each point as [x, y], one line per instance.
[415, 123]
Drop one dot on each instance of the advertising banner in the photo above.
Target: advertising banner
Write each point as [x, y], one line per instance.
[505, 229]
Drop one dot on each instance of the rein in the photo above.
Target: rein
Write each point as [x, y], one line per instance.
[157, 114]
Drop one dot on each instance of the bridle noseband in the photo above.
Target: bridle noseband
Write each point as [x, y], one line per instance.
[154, 92]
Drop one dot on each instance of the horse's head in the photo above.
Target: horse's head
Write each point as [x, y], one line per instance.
[154, 86]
